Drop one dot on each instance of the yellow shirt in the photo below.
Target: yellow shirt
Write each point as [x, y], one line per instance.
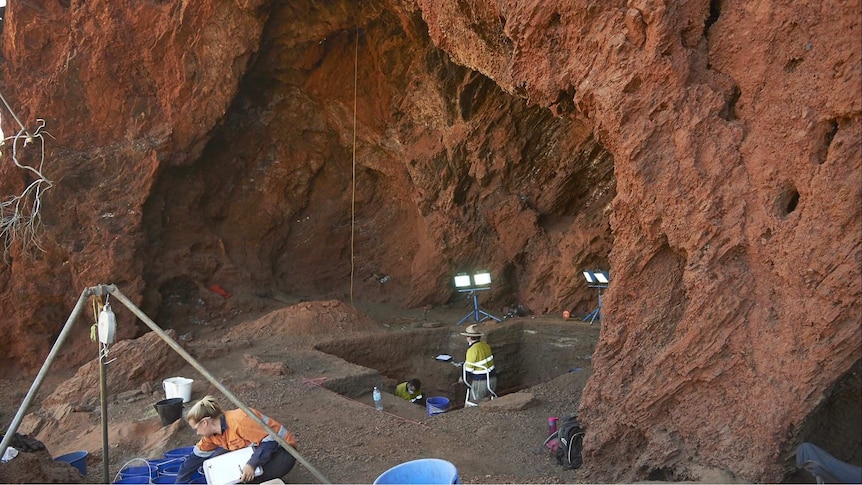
[479, 363]
[402, 392]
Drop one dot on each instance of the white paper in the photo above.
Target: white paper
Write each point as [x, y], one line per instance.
[226, 468]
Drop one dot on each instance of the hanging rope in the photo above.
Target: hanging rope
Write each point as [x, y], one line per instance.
[15, 116]
[94, 329]
[353, 176]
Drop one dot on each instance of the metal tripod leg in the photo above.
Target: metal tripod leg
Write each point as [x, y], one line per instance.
[597, 313]
[593, 315]
[476, 312]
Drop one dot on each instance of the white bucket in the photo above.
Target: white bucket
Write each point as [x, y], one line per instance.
[178, 387]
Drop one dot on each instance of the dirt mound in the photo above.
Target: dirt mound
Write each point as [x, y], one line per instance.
[141, 360]
[329, 317]
[38, 467]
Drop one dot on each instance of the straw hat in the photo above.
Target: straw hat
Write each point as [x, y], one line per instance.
[472, 331]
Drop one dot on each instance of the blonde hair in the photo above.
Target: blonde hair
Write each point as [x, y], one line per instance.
[207, 407]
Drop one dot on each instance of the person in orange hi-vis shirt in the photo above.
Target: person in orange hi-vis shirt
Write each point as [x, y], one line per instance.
[223, 431]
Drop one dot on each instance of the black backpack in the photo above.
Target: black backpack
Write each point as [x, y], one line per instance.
[570, 439]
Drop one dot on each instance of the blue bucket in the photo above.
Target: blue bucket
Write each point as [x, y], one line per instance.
[134, 479]
[77, 459]
[165, 479]
[436, 405]
[139, 471]
[427, 471]
[156, 462]
[170, 469]
[179, 452]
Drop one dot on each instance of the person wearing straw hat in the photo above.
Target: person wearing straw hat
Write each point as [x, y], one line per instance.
[479, 373]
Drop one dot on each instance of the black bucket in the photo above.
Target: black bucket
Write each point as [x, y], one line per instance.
[169, 410]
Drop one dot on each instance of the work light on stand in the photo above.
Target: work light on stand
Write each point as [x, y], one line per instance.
[480, 281]
[599, 280]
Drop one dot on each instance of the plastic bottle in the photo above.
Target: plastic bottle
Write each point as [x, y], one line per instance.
[378, 399]
[553, 443]
[552, 425]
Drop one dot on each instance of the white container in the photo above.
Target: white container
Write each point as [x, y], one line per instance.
[178, 387]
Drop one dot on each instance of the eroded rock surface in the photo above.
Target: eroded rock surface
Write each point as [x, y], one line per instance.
[707, 153]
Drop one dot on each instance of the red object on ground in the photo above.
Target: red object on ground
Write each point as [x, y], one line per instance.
[566, 314]
[218, 289]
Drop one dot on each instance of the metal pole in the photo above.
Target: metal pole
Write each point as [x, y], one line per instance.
[103, 397]
[194, 363]
[598, 313]
[34, 388]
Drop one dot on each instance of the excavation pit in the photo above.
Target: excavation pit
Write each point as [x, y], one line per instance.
[526, 353]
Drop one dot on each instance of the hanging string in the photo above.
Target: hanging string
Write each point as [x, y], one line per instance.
[94, 329]
[15, 116]
[353, 176]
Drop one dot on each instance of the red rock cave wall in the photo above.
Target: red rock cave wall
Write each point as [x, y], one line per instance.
[735, 131]
[715, 146]
[230, 161]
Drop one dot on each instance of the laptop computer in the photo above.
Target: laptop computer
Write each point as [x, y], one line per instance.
[226, 469]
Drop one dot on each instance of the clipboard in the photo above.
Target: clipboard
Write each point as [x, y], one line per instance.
[226, 469]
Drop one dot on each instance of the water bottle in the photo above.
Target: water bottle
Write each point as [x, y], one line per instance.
[553, 443]
[552, 425]
[378, 399]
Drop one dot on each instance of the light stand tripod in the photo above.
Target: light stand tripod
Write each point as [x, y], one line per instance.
[597, 313]
[476, 310]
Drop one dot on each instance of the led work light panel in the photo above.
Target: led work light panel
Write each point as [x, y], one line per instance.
[462, 281]
[596, 277]
[482, 279]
